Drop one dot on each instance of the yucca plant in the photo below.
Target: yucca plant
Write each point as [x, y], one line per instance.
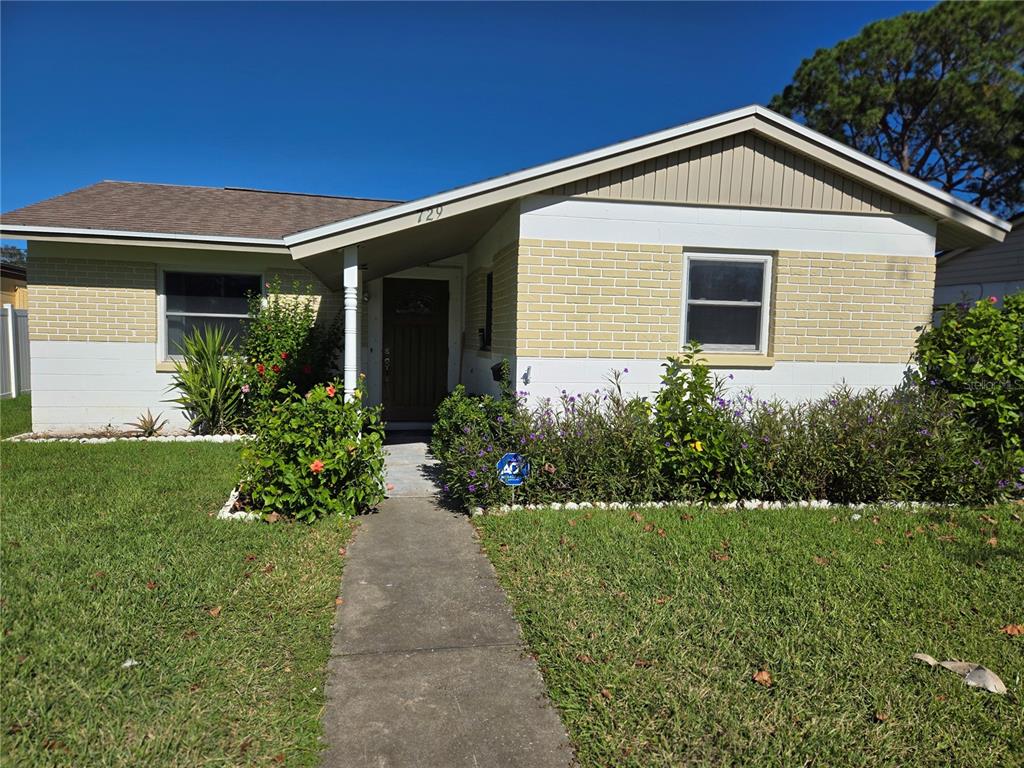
[208, 380]
[148, 425]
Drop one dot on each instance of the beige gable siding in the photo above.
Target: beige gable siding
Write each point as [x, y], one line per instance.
[744, 170]
[506, 279]
[624, 300]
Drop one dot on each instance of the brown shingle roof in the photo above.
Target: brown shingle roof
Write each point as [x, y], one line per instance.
[201, 211]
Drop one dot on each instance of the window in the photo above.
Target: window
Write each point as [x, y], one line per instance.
[488, 313]
[193, 300]
[727, 302]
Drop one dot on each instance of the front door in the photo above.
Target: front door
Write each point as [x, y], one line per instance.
[415, 359]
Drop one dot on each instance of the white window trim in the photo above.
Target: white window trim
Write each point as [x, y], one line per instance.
[766, 294]
[161, 301]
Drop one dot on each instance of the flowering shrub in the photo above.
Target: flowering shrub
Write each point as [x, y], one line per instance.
[699, 438]
[700, 442]
[284, 346]
[598, 445]
[314, 455]
[976, 355]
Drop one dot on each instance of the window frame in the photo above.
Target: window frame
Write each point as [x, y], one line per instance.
[163, 355]
[763, 258]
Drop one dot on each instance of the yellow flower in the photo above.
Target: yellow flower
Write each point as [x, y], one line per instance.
[697, 445]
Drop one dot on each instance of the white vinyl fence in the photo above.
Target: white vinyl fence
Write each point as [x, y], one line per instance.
[14, 358]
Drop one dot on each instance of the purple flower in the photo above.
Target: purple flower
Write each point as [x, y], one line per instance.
[976, 462]
[625, 370]
[871, 419]
[572, 399]
[465, 430]
[731, 377]
[471, 488]
[1021, 470]
[1003, 483]
[490, 448]
[462, 449]
[522, 441]
[479, 453]
[501, 419]
[924, 432]
[766, 439]
[744, 445]
[446, 487]
[533, 435]
[737, 413]
[472, 473]
[668, 444]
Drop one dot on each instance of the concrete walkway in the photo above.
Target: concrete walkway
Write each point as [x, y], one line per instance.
[427, 666]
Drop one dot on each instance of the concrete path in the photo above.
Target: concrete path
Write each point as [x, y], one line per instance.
[427, 666]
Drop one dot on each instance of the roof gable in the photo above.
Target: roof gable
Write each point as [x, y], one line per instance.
[743, 170]
[959, 222]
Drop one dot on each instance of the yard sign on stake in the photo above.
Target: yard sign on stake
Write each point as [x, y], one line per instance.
[513, 470]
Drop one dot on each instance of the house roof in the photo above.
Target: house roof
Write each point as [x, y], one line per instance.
[122, 207]
[317, 226]
[959, 222]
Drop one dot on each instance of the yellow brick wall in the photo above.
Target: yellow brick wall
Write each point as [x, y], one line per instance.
[623, 300]
[476, 307]
[833, 307]
[91, 300]
[507, 300]
[589, 299]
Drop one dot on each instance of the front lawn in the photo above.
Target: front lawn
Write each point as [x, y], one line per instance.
[15, 415]
[138, 630]
[648, 632]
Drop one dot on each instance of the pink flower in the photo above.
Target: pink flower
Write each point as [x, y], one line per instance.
[275, 368]
[284, 355]
[316, 467]
[331, 390]
[992, 299]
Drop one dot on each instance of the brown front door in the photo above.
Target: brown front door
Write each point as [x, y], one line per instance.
[415, 359]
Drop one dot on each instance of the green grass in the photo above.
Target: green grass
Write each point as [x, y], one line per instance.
[15, 415]
[109, 553]
[648, 642]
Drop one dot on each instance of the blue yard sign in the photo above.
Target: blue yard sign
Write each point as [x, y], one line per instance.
[513, 469]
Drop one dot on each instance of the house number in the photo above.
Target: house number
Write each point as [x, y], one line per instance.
[430, 214]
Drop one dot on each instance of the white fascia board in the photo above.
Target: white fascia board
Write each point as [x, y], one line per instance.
[27, 231]
[528, 174]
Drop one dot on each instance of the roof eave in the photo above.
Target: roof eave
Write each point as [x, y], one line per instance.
[32, 232]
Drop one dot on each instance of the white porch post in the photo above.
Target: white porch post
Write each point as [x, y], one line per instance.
[350, 281]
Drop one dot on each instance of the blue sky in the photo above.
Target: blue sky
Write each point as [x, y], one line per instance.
[387, 100]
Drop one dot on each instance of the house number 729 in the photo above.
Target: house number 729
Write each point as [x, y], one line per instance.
[430, 214]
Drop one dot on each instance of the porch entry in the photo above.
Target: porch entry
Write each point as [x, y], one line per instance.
[415, 348]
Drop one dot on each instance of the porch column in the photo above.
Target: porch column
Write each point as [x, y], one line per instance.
[350, 281]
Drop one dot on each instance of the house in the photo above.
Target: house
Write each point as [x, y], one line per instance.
[798, 262]
[994, 269]
[13, 285]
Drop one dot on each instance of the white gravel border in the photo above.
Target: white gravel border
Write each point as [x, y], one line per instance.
[30, 437]
[505, 509]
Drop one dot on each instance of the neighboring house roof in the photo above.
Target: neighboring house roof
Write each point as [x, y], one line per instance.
[202, 212]
[309, 229]
[13, 271]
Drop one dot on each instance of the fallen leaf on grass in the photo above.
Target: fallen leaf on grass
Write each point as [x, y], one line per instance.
[648, 528]
[190, 634]
[150, 584]
[719, 557]
[279, 758]
[339, 601]
[662, 600]
[572, 523]
[636, 516]
[881, 717]
[584, 658]
[643, 663]
[273, 517]
[763, 677]
[268, 568]
[974, 675]
[342, 551]
[661, 532]
[606, 693]
[989, 519]
[1013, 630]
[687, 517]
[993, 542]
[215, 611]
[99, 574]
[878, 541]
[821, 560]
[250, 557]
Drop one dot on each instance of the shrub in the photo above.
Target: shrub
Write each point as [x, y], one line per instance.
[976, 355]
[598, 446]
[284, 345]
[698, 441]
[209, 381]
[314, 455]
